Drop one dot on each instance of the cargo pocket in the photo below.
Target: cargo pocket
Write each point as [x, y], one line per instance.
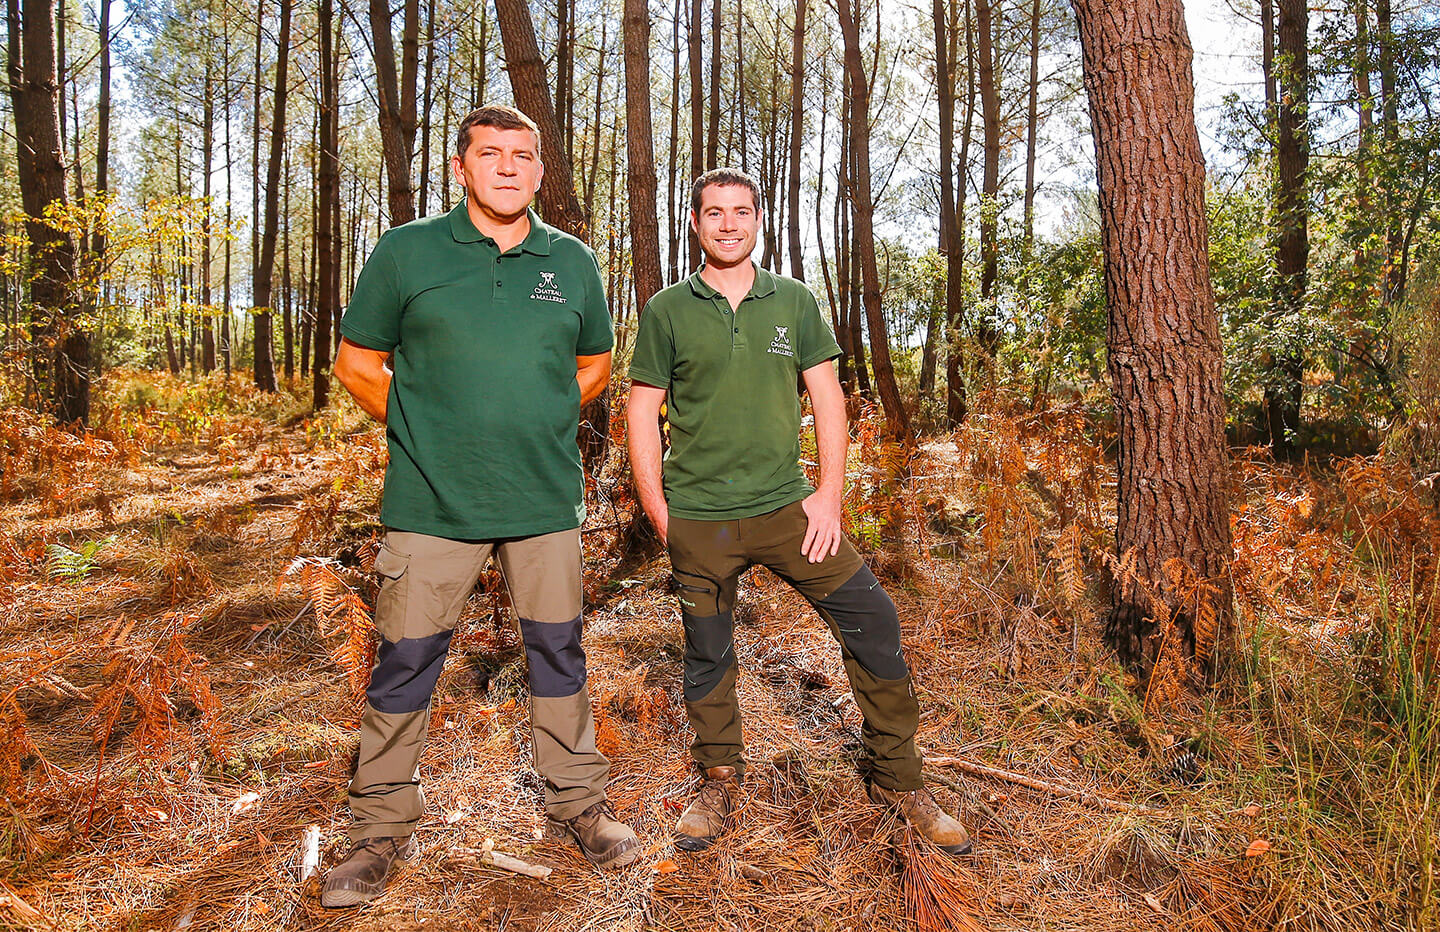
[390, 604]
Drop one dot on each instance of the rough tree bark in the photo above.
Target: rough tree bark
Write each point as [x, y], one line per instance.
[987, 330]
[697, 115]
[956, 403]
[1163, 336]
[264, 285]
[897, 419]
[532, 94]
[62, 345]
[1285, 391]
[797, 130]
[397, 101]
[640, 153]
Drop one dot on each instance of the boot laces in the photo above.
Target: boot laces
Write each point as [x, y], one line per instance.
[923, 804]
[714, 796]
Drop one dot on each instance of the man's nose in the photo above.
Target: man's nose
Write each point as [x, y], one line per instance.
[506, 165]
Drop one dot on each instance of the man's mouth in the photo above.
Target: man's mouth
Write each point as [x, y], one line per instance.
[729, 242]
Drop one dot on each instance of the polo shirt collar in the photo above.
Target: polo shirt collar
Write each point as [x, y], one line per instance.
[462, 228]
[763, 286]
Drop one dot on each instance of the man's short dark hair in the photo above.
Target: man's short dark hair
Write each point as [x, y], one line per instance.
[498, 116]
[723, 177]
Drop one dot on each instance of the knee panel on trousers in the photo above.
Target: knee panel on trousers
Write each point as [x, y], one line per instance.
[557, 661]
[869, 625]
[709, 652]
[405, 672]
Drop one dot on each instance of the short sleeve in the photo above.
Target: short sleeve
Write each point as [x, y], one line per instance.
[372, 318]
[654, 358]
[816, 343]
[597, 333]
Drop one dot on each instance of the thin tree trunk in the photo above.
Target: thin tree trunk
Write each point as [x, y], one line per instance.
[287, 338]
[527, 79]
[1164, 337]
[264, 342]
[797, 131]
[639, 153]
[945, 96]
[102, 130]
[673, 233]
[426, 99]
[896, 418]
[207, 157]
[988, 329]
[397, 101]
[712, 136]
[956, 400]
[1032, 123]
[697, 112]
[1395, 267]
[1285, 387]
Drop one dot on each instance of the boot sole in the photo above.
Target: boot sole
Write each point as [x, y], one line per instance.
[693, 842]
[343, 899]
[622, 858]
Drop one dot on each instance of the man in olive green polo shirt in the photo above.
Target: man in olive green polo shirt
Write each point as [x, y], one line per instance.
[722, 350]
[475, 337]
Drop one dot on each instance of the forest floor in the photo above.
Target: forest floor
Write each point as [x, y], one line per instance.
[183, 658]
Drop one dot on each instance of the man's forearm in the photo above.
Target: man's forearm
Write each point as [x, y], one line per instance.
[371, 390]
[832, 438]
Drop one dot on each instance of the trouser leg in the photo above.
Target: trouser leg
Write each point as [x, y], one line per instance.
[543, 575]
[425, 583]
[863, 619]
[706, 560]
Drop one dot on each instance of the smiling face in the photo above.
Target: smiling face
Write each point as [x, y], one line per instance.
[727, 224]
[500, 170]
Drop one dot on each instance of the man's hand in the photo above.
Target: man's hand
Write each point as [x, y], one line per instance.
[642, 419]
[822, 533]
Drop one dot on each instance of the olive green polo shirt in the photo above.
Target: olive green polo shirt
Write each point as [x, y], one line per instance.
[732, 398]
[483, 406]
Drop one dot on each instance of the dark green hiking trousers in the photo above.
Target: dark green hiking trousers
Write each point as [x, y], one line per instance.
[708, 557]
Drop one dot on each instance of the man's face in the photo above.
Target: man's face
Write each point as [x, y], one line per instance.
[501, 170]
[727, 224]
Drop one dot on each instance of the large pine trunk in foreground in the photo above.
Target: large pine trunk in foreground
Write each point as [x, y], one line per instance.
[1164, 339]
[62, 345]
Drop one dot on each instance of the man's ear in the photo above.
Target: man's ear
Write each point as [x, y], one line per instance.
[694, 222]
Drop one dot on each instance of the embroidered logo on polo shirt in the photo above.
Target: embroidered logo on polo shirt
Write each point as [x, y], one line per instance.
[780, 346]
[547, 290]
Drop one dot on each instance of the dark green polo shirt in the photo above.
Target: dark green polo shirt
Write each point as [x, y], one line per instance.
[484, 404]
[732, 402]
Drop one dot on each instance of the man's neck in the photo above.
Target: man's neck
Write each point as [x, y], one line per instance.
[507, 232]
[734, 281]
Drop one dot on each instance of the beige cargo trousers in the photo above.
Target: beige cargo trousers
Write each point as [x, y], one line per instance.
[425, 583]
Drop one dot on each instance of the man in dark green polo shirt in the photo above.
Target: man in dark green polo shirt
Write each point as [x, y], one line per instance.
[722, 350]
[475, 337]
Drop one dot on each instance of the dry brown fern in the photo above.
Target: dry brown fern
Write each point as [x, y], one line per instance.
[144, 681]
[339, 609]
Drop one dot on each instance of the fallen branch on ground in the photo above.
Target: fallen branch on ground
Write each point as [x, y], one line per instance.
[1084, 796]
[487, 855]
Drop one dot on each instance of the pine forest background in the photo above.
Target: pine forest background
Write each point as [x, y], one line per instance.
[1145, 439]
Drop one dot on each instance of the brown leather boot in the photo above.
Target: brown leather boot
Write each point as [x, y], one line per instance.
[361, 876]
[924, 814]
[709, 812]
[605, 840]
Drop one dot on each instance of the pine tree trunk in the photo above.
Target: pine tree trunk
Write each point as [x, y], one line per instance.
[956, 401]
[1164, 338]
[1285, 387]
[207, 157]
[264, 285]
[61, 361]
[987, 330]
[640, 153]
[897, 419]
[532, 94]
[397, 101]
[697, 113]
[797, 132]
[673, 232]
[327, 240]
